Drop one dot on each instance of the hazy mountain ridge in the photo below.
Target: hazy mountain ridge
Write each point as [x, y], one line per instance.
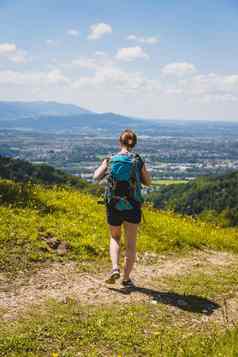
[10, 110]
[56, 117]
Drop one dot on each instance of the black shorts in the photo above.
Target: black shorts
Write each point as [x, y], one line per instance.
[116, 217]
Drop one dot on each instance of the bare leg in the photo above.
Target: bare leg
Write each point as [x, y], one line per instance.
[115, 232]
[130, 243]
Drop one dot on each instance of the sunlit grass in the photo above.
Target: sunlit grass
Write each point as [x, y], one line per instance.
[77, 219]
[168, 182]
[138, 330]
[30, 212]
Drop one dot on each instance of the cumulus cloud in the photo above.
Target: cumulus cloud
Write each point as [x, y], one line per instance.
[7, 48]
[212, 85]
[73, 32]
[12, 53]
[106, 74]
[179, 69]
[186, 81]
[98, 30]
[54, 76]
[100, 53]
[129, 54]
[131, 38]
[89, 63]
[50, 42]
[19, 57]
[152, 40]
[116, 79]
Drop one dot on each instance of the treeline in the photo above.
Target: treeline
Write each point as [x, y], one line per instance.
[24, 171]
[214, 199]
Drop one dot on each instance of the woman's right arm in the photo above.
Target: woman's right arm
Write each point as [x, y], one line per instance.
[145, 176]
[100, 171]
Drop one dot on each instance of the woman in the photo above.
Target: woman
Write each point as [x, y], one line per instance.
[129, 218]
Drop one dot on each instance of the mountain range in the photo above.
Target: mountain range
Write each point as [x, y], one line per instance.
[57, 117]
[19, 110]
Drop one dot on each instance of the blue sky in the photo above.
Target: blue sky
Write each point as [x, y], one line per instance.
[155, 59]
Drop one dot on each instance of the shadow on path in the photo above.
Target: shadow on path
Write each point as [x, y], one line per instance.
[190, 303]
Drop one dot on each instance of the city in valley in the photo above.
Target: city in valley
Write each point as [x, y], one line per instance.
[169, 157]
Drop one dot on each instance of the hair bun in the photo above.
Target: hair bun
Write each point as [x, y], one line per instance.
[128, 138]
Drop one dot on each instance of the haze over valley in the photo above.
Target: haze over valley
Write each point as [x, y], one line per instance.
[74, 139]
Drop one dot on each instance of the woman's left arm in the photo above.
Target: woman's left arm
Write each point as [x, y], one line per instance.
[100, 171]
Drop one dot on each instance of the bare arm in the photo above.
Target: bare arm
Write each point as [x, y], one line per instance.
[100, 171]
[145, 176]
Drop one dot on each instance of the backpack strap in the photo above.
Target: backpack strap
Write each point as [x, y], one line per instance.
[108, 158]
[133, 180]
[136, 159]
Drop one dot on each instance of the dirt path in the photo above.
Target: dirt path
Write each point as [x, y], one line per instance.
[64, 281]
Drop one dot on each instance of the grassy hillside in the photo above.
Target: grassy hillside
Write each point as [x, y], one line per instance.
[35, 220]
[29, 213]
[24, 171]
[214, 199]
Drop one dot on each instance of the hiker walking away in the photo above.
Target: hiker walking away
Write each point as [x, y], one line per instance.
[124, 172]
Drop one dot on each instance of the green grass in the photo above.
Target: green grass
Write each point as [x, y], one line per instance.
[204, 282]
[138, 330]
[168, 182]
[70, 329]
[128, 330]
[28, 213]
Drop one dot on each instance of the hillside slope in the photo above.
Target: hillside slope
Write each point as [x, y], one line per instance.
[53, 262]
[24, 171]
[31, 213]
[212, 198]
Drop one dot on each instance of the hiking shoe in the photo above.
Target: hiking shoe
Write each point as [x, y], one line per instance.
[115, 274]
[128, 283]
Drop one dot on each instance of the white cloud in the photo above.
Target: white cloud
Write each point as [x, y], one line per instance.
[98, 30]
[152, 40]
[54, 76]
[101, 83]
[100, 53]
[51, 42]
[203, 88]
[117, 80]
[108, 75]
[73, 32]
[89, 63]
[10, 51]
[7, 49]
[20, 56]
[131, 38]
[100, 60]
[131, 53]
[179, 69]
[212, 85]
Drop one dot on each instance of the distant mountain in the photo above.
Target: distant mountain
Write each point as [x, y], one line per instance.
[17, 110]
[212, 198]
[91, 121]
[56, 117]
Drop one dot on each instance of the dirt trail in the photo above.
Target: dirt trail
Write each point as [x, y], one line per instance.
[64, 281]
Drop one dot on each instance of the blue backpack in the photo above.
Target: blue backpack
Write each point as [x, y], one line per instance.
[123, 185]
